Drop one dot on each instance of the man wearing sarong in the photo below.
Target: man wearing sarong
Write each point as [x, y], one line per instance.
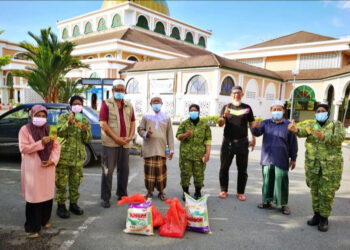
[158, 145]
[278, 153]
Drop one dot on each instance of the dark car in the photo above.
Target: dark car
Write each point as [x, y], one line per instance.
[13, 120]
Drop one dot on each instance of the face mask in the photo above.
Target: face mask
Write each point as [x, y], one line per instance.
[321, 117]
[119, 96]
[277, 115]
[156, 107]
[194, 115]
[39, 121]
[77, 108]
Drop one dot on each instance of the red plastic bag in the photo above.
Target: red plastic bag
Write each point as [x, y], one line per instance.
[158, 218]
[176, 220]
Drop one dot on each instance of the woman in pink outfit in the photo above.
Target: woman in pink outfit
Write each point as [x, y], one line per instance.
[40, 155]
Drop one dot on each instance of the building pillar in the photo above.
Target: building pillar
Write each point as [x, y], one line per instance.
[336, 110]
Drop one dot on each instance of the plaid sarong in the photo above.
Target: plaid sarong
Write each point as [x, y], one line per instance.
[155, 173]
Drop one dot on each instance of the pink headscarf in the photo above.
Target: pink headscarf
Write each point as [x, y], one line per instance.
[39, 132]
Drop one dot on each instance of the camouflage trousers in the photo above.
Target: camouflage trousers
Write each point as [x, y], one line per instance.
[323, 188]
[190, 168]
[74, 176]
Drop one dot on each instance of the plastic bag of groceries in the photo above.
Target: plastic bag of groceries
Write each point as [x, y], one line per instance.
[197, 214]
[176, 221]
[139, 219]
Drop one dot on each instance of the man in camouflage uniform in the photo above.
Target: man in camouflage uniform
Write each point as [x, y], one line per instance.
[73, 135]
[195, 137]
[323, 162]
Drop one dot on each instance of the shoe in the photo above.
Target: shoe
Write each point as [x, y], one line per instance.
[315, 220]
[185, 189]
[162, 196]
[47, 225]
[323, 226]
[75, 209]
[241, 197]
[32, 235]
[264, 206]
[148, 195]
[105, 204]
[285, 210]
[223, 195]
[198, 194]
[62, 211]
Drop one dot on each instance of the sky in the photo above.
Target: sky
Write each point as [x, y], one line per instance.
[234, 24]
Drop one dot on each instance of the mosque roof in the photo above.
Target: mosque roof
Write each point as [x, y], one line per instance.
[210, 60]
[146, 39]
[295, 38]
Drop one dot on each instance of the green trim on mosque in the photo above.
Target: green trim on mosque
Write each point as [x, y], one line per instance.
[201, 42]
[65, 33]
[142, 22]
[76, 31]
[94, 75]
[175, 33]
[117, 21]
[101, 25]
[189, 37]
[304, 94]
[160, 28]
[88, 28]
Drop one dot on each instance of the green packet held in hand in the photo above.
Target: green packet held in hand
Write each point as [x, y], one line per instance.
[79, 117]
[53, 132]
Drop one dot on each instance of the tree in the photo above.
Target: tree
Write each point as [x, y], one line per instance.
[52, 59]
[4, 60]
[67, 88]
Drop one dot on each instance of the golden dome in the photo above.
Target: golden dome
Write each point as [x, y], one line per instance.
[157, 5]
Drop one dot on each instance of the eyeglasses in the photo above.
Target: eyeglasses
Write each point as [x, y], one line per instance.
[236, 93]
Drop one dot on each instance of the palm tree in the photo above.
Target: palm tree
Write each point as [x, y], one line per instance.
[4, 60]
[67, 88]
[52, 59]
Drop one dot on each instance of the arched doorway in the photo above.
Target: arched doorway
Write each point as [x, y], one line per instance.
[344, 109]
[94, 101]
[330, 99]
[304, 103]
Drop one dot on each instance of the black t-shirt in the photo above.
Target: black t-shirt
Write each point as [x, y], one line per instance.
[237, 121]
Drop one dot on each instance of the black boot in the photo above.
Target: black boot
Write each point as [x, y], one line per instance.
[315, 220]
[323, 226]
[197, 194]
[185, 189]
[62, 211]
[75, 209]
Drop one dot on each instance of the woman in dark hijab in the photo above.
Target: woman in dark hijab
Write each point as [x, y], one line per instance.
[40, 155]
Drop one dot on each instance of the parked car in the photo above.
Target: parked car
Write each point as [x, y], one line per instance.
[13, 120]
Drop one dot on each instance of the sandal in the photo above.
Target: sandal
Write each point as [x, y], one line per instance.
[148, 195]
[263, 206]
[223, 195]
[32, 235]
[241, 197]
[47, 225]
[162, 196]
[285, 210]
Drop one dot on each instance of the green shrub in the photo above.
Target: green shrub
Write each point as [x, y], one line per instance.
[211, 120]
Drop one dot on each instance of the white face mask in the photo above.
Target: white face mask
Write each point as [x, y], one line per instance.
[77, 108]
[39, 121]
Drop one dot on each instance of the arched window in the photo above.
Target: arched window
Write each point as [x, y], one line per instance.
[90, 57]
[21, 56]
[109, 56]
[117, 21]
[88, 28]
[160, 28]
[76, 31]
[304, 98]
[201, 42]
[94, 75]
[189, 37]
[65, 33]
[226, 86]
[9, 80]
[142, 22]
[132, 86]
[101, 24]
[197, 86]
[175, 33]
[133, 58]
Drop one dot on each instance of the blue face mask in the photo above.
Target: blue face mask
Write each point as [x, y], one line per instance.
[194, 115]
[277, 115]
[156, 107]
[321, 117]
[119, 96]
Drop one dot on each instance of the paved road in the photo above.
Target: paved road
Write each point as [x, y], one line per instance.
[234, 224]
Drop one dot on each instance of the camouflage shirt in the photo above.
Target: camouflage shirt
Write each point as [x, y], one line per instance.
[72, 140]
[193, 148]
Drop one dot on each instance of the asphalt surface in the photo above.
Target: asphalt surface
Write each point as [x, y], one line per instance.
[234, 224]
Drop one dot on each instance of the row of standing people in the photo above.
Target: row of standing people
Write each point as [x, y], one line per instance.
[117, 121]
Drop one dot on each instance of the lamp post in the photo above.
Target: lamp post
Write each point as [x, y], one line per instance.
[294, 73]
